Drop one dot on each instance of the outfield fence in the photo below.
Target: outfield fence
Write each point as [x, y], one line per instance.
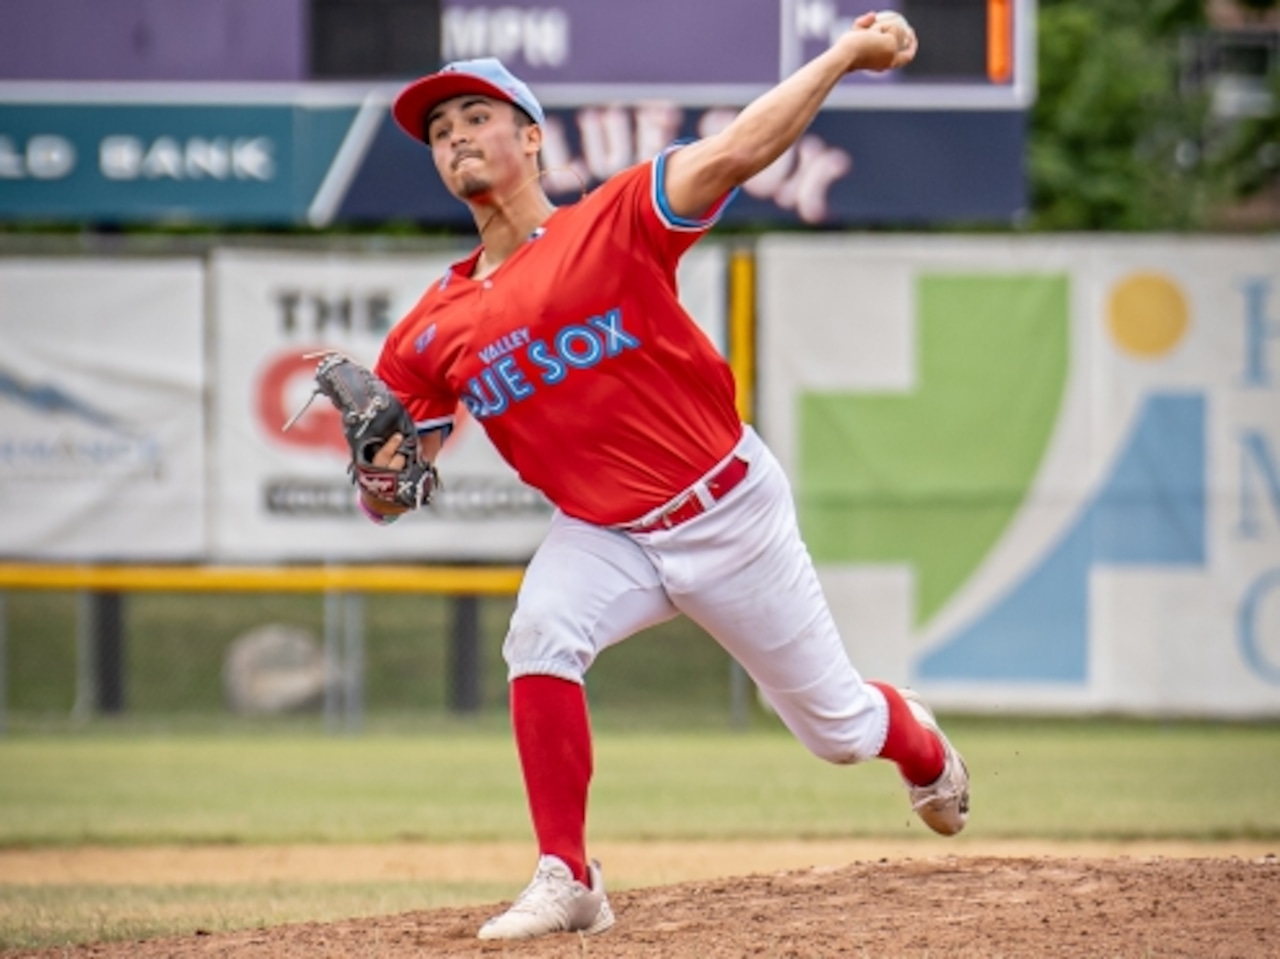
[1035, 473]
[343, 588]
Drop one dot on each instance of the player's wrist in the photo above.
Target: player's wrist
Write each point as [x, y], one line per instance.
[384, 514]
[872, 51]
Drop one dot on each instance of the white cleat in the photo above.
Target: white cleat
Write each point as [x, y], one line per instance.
[944, 803]
[554, 902]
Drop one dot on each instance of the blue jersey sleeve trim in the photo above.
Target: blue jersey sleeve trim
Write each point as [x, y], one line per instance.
[444, 426]
[668, 216]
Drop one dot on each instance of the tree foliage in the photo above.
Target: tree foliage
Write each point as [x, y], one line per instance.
[1248, 159]
[1115, 145]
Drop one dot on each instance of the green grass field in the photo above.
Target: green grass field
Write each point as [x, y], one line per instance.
[1035, 778]
[458, 783]
[35, 917]
[177, 768]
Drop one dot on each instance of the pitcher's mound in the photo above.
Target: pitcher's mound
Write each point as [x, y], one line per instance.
[955, 907]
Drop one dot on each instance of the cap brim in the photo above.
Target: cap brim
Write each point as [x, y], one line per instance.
[418, 98]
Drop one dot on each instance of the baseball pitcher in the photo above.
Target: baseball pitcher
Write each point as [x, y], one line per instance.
[562, 334]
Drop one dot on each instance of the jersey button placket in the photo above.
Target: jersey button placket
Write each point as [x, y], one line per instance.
[482, 289]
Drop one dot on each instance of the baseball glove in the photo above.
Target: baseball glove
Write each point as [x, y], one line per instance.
[371, 415]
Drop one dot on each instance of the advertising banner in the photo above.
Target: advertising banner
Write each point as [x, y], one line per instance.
[973, 54]
[169, 161]
[972, 51]
[343, 160]
[881, 166]
[941, 141]
[285, 495]
[101, 412]
[1038, 474]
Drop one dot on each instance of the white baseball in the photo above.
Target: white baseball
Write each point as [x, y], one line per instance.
[893, 16]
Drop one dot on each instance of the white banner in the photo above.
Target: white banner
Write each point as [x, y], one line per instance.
[1038, 473]
[101, 416]
[285, 495]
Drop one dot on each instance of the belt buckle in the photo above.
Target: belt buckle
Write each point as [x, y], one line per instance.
[665, 519]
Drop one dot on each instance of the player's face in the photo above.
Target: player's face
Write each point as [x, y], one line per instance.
[478, 145]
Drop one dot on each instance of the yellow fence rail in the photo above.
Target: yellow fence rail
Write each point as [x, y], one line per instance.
[464, 580]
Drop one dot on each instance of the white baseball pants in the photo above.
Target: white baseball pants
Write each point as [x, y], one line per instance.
[739, 570]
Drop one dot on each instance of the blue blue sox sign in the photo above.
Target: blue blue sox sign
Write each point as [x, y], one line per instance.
[303, 163]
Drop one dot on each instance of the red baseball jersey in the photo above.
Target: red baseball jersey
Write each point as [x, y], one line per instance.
[576, 356]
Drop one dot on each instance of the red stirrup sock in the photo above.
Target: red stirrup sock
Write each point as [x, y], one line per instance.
[553, 736]
[916, 750]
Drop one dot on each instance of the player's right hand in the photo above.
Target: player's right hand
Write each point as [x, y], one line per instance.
[878, 45]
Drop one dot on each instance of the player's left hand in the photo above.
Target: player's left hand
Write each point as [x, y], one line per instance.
[389, 455]
[385, 461]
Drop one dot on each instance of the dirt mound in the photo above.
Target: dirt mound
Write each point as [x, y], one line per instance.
[970, 906]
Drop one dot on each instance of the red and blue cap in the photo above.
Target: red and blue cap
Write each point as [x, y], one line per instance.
[486, 76]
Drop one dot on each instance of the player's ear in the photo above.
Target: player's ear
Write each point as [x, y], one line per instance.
[532, 139]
